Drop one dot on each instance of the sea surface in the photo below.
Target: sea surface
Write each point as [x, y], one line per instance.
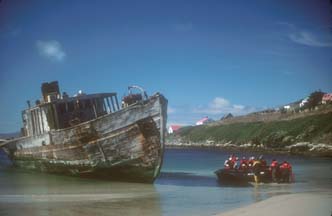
[187, 186]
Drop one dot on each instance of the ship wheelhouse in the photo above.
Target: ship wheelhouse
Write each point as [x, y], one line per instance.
[58, 111]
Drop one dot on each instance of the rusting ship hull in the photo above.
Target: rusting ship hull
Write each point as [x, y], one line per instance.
[125, 145]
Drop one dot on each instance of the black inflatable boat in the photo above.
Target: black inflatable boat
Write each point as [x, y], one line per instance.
[235, 176]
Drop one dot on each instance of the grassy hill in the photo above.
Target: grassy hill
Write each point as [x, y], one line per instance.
[274, 134]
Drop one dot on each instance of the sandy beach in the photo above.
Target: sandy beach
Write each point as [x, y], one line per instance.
[304, 204]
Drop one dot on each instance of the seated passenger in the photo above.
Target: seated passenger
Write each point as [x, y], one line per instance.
[274, 168]
[243, 164]
[229, 164]
[285, 172]
[251, 162]
[263, 161]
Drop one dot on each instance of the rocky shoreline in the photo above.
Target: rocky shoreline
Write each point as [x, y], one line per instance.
[301, 148]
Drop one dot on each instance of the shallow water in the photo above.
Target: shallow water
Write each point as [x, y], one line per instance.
[186, 186]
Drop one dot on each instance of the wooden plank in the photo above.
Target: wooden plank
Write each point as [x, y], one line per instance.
[55, 115]
[117, 102]
[42, 120]
[94, 108]
[109, 105]
[114, 109]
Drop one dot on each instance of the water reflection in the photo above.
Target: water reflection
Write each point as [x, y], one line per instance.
[24, 193]
[185, 179]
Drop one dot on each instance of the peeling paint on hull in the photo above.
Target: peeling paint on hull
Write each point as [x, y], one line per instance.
[125, 145]
[129, 173]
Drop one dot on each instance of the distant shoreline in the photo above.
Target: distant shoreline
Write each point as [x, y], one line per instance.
[308, 136]
[232, 147]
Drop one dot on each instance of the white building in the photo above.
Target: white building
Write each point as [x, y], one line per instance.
[304, 101]
[203, 121]
[287, 107]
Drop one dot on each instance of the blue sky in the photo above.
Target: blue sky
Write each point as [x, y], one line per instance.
[208, 58]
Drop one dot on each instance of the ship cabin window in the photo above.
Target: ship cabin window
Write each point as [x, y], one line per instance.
[70, 115]
[78, 110]
[33, 122]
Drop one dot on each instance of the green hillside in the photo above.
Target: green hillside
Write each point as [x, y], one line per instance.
[276, 134]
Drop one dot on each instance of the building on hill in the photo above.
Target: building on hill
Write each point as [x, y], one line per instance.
[204, 120]
[227, 116]
[173, 128]
[304, 102]
[291, 106]
[327, 98]
[287, 107]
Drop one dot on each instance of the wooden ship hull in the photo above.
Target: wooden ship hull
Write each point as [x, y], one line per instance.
[125, 145]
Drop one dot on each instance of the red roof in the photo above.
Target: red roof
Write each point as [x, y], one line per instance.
[175, 127]
[327, 97]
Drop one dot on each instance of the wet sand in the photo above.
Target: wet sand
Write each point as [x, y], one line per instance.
[304, 204]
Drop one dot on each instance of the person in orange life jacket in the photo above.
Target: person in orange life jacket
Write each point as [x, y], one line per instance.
[229, 164]
[234, 159]
[236, 162]
[285, 172]
[274, 168]
[243, 164]
[251, 161]
[263, 161]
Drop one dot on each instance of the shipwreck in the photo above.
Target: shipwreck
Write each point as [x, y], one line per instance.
[92, 135]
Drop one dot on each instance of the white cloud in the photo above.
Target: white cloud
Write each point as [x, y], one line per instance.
[221, 105]
[219, 102]
[238, 106]
[308, 39]
[286, 24]
[51, 49]
[297, 35]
